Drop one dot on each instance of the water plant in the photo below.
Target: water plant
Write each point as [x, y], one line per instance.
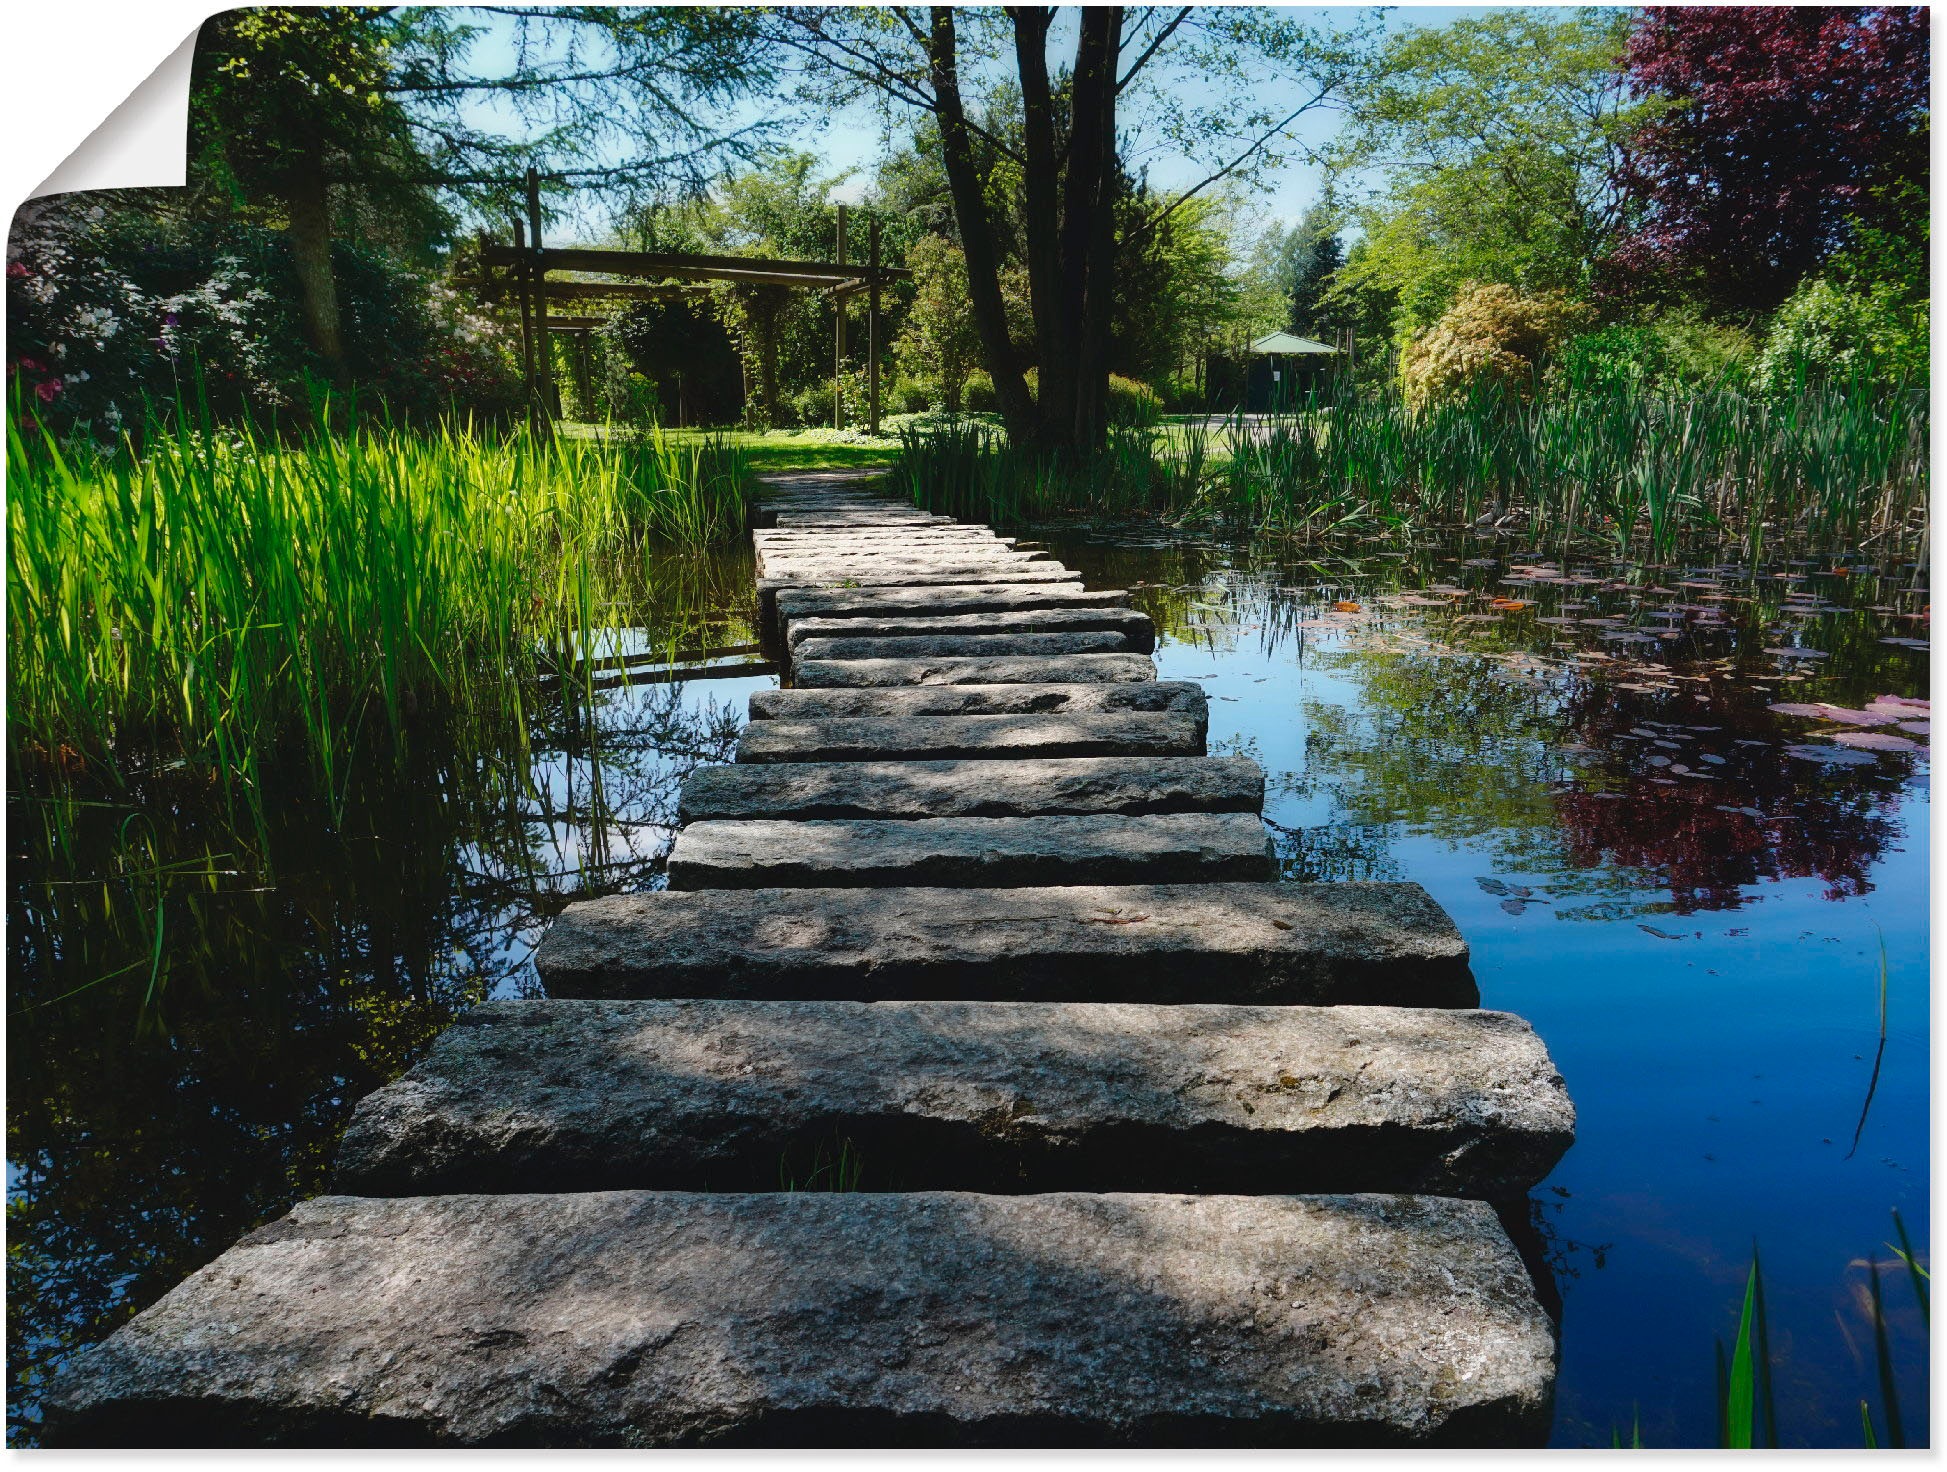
[223, 597]
[1638, 468]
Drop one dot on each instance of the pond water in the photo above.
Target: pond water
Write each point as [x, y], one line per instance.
[1693, 896]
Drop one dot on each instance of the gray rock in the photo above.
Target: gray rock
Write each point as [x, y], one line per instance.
[801, 518]
[853, 561]
[1137, 632]
[977, 700]
[887, 577]
[1323, 944]
[940, 599]
[878, 738]
[1071, 669]
[817, 1318]
[989, 1096]
[967, 645]
[1092, 848]
[970, 789]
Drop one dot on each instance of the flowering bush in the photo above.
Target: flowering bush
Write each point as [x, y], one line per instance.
[111, 309]
[1491, 334]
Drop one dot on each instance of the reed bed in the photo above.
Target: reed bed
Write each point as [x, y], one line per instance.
[222, 598]
[1642, 469]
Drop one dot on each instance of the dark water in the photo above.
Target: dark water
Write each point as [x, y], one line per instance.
[1690, 914]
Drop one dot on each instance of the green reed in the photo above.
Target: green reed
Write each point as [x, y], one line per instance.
[223, 596]
[1640, 468]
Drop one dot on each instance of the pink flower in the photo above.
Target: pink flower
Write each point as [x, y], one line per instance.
[46, 389]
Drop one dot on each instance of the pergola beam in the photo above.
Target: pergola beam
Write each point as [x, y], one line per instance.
[682, 265]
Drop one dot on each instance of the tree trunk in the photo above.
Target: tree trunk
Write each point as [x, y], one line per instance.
[1041, 175]
[976, 231]
[308, 203]
[1088, 229]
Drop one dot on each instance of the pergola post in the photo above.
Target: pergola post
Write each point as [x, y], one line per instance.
[544, 349]
[872, 334]
[523, 293]
[838, 355]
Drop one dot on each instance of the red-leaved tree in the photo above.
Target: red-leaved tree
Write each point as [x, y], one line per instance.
[1782, 122]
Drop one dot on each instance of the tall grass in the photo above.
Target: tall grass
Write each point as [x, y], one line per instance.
[221, 596]
[1638, 467]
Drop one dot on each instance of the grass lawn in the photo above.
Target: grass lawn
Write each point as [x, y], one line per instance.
[781, 449]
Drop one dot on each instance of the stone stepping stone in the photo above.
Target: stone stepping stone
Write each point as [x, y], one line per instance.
[1071, 669]
[1094, 848]
[977, 700]
[633, 1318]
[891, 577]
[962, 1096]
[969, 645]
[883, 738]
[944, 599]
[853, 518]
[1136, 629]
[973, 789]
[1319, 944]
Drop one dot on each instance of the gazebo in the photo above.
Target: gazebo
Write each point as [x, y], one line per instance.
[1276, 360]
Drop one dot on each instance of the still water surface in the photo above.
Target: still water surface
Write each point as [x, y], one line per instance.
[1686, 891]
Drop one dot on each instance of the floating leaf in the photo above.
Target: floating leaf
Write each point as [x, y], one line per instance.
[1346, 605]
[1875, 741]
[1800, 653]
[1831, 756]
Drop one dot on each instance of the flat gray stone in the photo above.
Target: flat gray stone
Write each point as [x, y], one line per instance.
[1137, 631]
[973, 789]
[891, 577]
[1320, 944]
[940, 599]
[1093, 848]
[968, 645]
[973, 559]
[1071, 669]
[878, 738]
[977, 700]
[625, 1318]
[963, 1096]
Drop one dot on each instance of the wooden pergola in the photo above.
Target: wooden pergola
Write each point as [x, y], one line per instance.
[520, 273]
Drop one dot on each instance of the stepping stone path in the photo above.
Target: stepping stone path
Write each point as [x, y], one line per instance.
[974, 1082]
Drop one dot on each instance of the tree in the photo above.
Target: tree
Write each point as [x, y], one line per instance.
[294, 107]
[1483, 151]
[940, 340]
[1778, 124]
[1064, 156]
[1318, 262]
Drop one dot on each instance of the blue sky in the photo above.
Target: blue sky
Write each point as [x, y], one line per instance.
[854, 138]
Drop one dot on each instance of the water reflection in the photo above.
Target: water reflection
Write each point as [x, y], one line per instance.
[1643, 794]
[196, 1005]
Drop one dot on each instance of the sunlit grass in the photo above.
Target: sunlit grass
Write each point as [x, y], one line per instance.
[221, 597]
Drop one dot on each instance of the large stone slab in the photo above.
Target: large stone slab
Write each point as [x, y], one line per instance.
[1093, 848]
[966, 559]
[970, 789]
[841, 1319]
[989, 1096]
[1137, 631]
[876, 738]
[912, 577]
[1322, 944]
[939, 599]
[977, 700]
[1071, 669]
[974, 646]
[784, 518]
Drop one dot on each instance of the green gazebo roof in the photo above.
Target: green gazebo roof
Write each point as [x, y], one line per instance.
[1285, 343]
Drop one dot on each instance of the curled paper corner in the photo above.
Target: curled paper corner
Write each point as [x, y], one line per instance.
[142, 144]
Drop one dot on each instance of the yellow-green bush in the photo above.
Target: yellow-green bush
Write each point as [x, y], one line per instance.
[1492, 334]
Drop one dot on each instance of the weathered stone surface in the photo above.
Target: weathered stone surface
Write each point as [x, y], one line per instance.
[989, 1096]
[977, 700]
[808, 518]
[1138, 633]
[877, 536]
[966, 645]
[831, 1318]
[971, 559]
[794, 603]
[1323, 944]
[1092, 848]
[891, 577]
[1071, 669]
[877, 738]
[973, 789]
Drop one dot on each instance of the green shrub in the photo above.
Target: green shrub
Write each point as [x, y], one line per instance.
[1133, 404]
[912, 395]
[1827, 333]
[977, 393]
